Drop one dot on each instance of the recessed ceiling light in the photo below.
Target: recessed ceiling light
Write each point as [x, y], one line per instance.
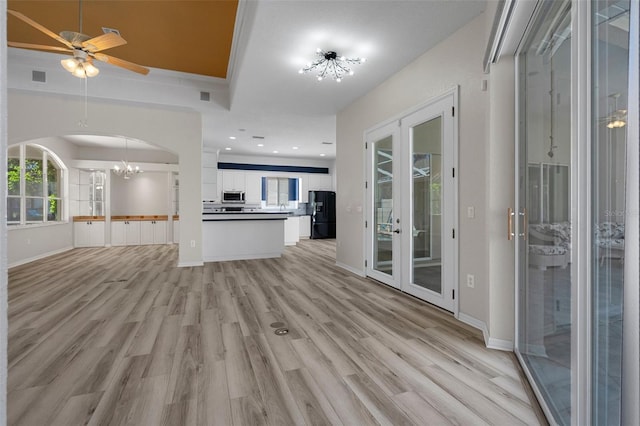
[233, 138]
[275, 152]
[227, 149]
[260, 144]
[322, 155]
[295, 147]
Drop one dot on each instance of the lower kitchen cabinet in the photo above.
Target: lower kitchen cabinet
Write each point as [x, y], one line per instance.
[125, 233]
[88, 233]
[291, 231]
[153, 232]
[305, 226]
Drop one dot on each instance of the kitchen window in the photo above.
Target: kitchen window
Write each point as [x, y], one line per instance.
[280, 192]
[35, 178]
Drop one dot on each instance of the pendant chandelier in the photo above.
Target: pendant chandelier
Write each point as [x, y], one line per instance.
[330, 65]
[125, 169]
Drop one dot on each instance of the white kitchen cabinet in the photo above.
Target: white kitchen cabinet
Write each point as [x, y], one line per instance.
[305, 226]
[153, 232]
[253, 188]
[291, 231]
[303, 181]
[320, 182]
[125, 233]
[233, 180]
[88, 234]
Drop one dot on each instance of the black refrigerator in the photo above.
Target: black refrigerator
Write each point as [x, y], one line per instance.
[322, 208]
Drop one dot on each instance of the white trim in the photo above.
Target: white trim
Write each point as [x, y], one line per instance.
[351, 269]
[500, 344]
[40, 256]
[630, 413]
[476, 323]
[581, 205]
[189, 264]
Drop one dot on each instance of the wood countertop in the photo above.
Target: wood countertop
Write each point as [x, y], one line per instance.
[142, 218]
[88, 218]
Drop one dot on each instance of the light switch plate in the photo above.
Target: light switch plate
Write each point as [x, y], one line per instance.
[471, 212]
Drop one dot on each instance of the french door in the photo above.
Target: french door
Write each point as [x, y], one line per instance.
[411, 199]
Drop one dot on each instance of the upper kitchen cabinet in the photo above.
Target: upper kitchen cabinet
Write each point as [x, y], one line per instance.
[320, 182]
[90, 193]
[210, 176]
[233, 180]
[253, 187]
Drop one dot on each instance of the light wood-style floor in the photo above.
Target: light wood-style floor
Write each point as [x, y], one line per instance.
[122, 336]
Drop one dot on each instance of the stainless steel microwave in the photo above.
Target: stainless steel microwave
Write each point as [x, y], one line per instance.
[233, 196]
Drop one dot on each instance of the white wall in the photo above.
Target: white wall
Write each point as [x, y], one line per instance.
[144, 194]
[455, 61]
[37, 115]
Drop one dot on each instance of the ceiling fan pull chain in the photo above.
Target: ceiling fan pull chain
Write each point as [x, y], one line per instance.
[85, 122]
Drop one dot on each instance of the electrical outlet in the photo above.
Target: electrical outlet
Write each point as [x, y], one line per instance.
[471, 212]
[471, 281]
[193, 243]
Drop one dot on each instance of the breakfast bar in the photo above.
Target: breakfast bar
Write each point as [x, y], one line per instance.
[242, 235]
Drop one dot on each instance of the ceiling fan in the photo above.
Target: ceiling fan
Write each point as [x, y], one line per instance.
[83, 48]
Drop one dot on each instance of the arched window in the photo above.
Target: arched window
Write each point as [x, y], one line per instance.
[35, 182]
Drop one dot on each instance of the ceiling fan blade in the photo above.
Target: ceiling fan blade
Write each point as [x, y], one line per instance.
[121, 63]
[38, 47]
[39, 27]
[103, 42]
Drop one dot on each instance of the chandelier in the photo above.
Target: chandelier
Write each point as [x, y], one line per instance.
[125, 169]
[329, 64]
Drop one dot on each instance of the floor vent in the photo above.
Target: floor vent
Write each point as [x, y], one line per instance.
[39, 76]
[205, 96]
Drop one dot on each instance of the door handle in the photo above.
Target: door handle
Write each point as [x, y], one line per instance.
[397, 231]
[510, 233]
[523, 214]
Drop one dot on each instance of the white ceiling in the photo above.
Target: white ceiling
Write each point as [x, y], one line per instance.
[264, 94]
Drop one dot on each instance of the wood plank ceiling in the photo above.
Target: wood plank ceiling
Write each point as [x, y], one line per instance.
[187, 36]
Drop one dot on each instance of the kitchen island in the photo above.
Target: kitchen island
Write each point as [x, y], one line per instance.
[242, 235]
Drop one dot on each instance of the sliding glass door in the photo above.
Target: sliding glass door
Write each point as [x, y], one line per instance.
[570, 214]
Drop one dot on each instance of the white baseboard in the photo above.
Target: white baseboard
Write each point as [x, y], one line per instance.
[38, 257]
[351, 269]
[476, 323]
[190, 264]
[499, 344]
[489, 342]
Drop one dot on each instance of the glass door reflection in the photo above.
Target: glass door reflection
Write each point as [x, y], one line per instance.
[426, 181]
[383, 206]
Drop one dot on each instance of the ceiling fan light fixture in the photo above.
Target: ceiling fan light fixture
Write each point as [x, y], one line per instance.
[90, 70]
[70, 64]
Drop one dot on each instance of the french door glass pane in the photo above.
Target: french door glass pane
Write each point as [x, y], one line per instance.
[544, 298]
[610, 53]
[426, 183]
[383, 205]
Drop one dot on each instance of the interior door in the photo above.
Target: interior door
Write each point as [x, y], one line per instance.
[411, 199]
[383, 201]
[429, 207]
